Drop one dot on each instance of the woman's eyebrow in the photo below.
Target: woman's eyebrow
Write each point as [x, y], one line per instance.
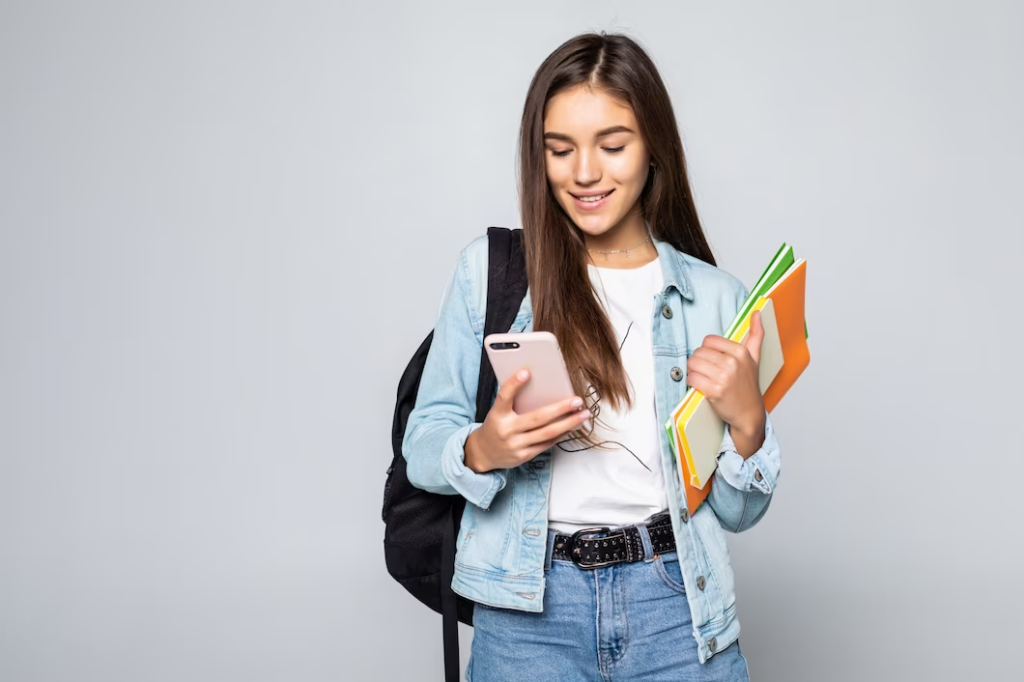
[600, 133]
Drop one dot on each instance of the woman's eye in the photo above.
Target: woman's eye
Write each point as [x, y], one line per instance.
[564, 152]
[614, 150]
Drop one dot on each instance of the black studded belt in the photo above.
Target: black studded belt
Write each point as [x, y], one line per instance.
[596, 547]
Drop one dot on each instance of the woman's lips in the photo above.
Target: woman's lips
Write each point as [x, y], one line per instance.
[591, 205]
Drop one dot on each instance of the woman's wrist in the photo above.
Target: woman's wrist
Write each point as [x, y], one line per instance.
[472, 453]
[748, 435]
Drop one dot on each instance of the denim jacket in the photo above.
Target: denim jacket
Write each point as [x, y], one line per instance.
[503, 537]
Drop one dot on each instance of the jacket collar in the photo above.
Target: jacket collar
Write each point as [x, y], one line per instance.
[673, 269]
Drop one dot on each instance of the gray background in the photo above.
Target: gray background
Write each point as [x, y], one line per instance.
[227, 225]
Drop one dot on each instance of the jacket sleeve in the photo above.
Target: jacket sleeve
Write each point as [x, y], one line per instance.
[441, 421]
[741, 490]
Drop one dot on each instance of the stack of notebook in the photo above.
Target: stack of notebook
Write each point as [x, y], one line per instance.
[694, 430]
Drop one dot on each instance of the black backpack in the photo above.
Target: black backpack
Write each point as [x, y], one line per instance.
[421, 527]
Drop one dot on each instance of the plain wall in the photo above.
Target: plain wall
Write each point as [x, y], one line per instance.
[225, 227]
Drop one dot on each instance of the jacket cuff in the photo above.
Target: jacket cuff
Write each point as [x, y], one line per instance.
[758, 472]
[478, 489]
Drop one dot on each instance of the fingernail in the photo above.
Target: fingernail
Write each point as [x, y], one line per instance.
[523, 375]
[585, 416]
[577, 403]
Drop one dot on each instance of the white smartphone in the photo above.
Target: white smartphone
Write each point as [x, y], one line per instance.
[537, 351]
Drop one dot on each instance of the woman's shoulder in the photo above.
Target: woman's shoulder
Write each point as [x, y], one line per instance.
[473, 264]
[468, 280]
[473, 261]
[707, 279]
[712, 273]
[475, 250]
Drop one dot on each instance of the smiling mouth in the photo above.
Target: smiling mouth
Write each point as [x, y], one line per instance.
[591, 199]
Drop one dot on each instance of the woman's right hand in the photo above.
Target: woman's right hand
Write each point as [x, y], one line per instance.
[506, 439]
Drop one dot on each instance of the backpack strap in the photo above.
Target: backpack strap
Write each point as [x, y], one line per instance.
[506, 287]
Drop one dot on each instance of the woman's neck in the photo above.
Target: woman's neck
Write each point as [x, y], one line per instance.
[626, 245]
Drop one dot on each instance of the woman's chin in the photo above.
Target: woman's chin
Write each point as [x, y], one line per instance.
[592, 225]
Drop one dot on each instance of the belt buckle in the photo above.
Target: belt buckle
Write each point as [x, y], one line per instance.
[574, 550]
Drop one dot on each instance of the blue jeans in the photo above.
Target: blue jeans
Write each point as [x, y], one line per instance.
[620, 622]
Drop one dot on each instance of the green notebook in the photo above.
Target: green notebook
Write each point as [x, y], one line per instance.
[777, 267]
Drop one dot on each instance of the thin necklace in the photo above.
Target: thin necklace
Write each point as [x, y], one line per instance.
[627, 250]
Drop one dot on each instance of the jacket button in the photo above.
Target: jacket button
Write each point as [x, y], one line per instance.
[666, 312]
[677, 374]
[685, 515]
[713, 644]
[757, 475]
[701, 583]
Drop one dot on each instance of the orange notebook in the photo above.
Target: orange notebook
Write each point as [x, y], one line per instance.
[788, 295]
[788, 298]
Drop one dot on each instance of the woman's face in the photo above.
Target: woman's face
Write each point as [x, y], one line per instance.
[597, 163]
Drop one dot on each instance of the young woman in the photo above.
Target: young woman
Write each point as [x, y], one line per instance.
[576, 542]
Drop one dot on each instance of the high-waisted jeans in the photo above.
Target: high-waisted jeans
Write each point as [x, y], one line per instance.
[620, 622]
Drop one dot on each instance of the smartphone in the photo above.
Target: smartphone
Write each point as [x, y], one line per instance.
[537, 351]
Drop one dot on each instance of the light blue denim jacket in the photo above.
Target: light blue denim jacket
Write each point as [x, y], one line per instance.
[502, 541]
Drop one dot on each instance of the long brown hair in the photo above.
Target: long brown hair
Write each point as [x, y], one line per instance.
[560, 290]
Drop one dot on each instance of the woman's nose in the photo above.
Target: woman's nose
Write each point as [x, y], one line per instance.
[588, 169]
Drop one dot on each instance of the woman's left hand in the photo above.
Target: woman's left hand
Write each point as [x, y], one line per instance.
[726, 373]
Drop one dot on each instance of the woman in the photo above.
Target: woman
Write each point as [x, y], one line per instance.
[620, 271]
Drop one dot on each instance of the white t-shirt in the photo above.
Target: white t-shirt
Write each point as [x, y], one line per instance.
[621, 482]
